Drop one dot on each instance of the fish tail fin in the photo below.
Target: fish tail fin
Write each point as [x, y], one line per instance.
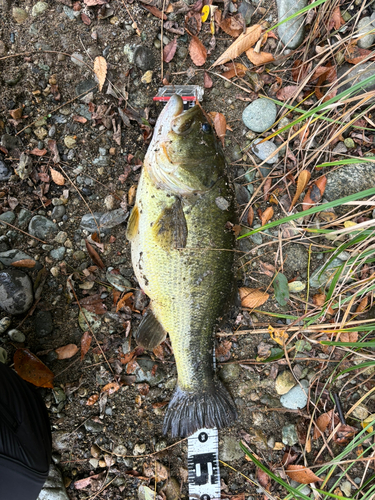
[189, 411]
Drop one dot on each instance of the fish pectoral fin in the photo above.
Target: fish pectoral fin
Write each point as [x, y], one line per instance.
[170, 230]
[133, 224]
[150, 332]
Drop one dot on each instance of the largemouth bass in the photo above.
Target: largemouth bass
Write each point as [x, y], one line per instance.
[182, 254]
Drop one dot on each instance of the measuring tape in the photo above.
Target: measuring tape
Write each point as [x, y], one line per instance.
[203, 465]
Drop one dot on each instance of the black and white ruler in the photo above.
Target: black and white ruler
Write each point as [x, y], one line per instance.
[203, 465]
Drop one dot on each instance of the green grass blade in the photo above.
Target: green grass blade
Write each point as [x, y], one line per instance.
[364, 345]
[313, 210]
[348, 161]
[298, 13]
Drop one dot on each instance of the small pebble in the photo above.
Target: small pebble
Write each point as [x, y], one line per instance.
[259, 115]
[16, 335]
[4, 324]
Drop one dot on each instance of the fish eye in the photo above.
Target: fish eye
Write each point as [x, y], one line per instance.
[206, 128]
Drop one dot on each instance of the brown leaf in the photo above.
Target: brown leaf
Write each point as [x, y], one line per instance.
[94, 303]
[159, 352]
[52, 146]
[85, 344]
[300, 70]
[263, 478]
[266, 215]
[348, 336]
[289, 457]
[100, 70]
[31, 369]
[362, 305]
[252, 297]
[91, 3]
[301, 474]
[288, 92]
[94, 255]
[122, 301]
[322, 423]
[92, 399]
[155, 11]
[67, 351]
[336, 20]
[240, 45]
[170, 50]
[208, 83]
[259, 58]
[267, 187]
[38, 152]
[233, 25]
[344, 433]
[197, 51]
[79, 119]
[235, 69]
[85, 19]
[29, 263]
[325, 74]
[250, 216]
[303, 180]
[111, 387]
[315, 193]
[354, 54]
[220, 124]
[57, 177]
[222, 352]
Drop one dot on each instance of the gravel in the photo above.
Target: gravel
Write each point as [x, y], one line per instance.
[16, 291]
[260, 115]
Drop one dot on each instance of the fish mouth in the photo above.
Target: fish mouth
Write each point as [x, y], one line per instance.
[182, 123]
[174, 118]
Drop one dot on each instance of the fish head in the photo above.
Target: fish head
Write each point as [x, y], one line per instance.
[184, 156]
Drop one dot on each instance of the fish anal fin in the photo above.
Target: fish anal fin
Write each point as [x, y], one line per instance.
[170, 230]
[133, 224]
[150, 332]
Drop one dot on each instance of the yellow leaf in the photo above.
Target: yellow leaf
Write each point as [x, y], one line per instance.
[205, 13]
[241, 44]
[303, 180]
[367, 421]
[279, 336]
[100, 69]
[349, 223]
[57, 177]
[252, 297]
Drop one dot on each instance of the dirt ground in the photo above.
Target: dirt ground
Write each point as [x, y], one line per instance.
[108, 435]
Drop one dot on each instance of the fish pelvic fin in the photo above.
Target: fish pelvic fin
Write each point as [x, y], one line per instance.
[189, 411]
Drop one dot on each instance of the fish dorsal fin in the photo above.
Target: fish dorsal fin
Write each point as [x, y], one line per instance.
[150, 333]
[133, 223]
[170, 229]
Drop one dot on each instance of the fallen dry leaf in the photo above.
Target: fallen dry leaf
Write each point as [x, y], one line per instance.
[354, 55]
[197, 51]
[288, 92]
[29, 263]
[278, 336]
[336, 20]
[94, 303]
[38, 152]
[66, 351]
[220, 124]
[91, 3]
[111, 387]
[92, 399]
[94, 255]
[344, 434]
[300, 70]
[233, 25]
[362, 305]
[30, 368]
[266, 215]
[207, 81]
[52, 146]
[250, 216]
[315, 193]
[79, 119]
[85, 343]
[122, 301]
[301, 474]
[348, 337]
[252, 297]
[222, 352]
[259, 58]
[57, 177]
[240, 45]
[100, 70]
[325, 74]
[303, 180]
[235, 69]
[263, 478]
[155, 11]
[170, 50]
[322, 423]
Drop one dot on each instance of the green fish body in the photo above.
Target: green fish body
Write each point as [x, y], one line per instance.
[182, 254]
